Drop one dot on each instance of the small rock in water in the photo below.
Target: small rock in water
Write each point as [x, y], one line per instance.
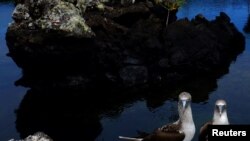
[39, 136]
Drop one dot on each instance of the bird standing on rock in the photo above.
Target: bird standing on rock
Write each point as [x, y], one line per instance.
[181, 130]
[219, 118]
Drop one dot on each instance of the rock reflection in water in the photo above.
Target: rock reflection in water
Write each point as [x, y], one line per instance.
[60, 114]
[74, 113]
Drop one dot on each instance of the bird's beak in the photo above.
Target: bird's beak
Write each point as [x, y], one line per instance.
[220, 109]
[184, 103]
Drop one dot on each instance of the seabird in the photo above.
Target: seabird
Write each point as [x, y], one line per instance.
[219, 118]
[181, 130]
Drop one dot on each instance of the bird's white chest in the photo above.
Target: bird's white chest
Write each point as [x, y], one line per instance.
[223, 121]
[189, 131]
[220, 120]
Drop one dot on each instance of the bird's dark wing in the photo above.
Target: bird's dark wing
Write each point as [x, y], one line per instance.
[165, 136]
[170, 128]
[204, 131]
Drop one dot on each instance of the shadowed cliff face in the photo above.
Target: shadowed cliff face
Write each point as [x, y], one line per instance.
[74, 81]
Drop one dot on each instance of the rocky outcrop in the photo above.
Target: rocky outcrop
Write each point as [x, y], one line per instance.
[50, 15]
[39, 136]
[122, 46]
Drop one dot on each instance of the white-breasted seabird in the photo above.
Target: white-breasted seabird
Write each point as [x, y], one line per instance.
[219, 118]
[181, 130]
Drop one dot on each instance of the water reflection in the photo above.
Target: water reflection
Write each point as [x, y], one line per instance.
[10, 96]
[62, 115]
[75, 113]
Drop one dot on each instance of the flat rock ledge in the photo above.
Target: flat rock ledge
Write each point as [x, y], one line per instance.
[122, 45]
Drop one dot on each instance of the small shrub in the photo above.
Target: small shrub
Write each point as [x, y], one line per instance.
[170, 5]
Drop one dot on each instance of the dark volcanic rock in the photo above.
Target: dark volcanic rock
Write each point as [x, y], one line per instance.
[45, 16]
[247, 25]
[128, 46]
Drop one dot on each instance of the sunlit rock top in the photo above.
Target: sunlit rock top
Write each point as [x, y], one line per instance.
[39, 136]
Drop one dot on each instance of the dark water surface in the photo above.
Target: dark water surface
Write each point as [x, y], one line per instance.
[143, 114]
[10, 95]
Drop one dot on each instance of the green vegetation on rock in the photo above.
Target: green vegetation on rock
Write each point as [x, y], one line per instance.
[170, 5]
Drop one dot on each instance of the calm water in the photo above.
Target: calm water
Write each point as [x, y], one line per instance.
[10, 96]
[234, 86]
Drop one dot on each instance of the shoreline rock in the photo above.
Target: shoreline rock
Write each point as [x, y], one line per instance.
[131, 47]
[39, 136]
[46, 16]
